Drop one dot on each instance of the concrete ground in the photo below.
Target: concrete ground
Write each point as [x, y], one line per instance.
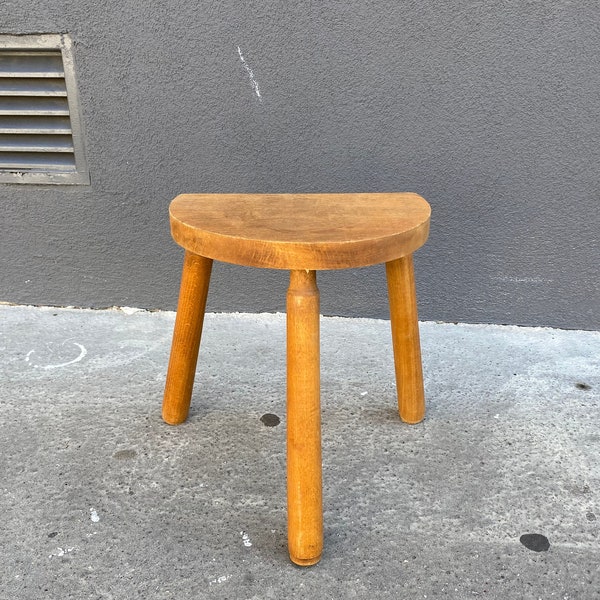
[101, 500]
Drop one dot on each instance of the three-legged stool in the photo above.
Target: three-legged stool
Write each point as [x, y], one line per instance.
[303, 233]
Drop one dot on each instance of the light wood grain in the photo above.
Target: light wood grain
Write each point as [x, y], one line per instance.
[195, 280]
[405, 339]
[305, 519]
[301, 231]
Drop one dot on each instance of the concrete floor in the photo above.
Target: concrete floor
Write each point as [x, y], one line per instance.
[101, 500]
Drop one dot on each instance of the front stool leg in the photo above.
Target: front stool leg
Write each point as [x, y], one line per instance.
[195, 279]
[405, 339]
[305, 509]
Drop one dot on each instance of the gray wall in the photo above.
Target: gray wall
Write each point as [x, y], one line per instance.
[489, 110]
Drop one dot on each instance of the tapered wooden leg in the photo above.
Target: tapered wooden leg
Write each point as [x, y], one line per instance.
[405, 338]
[305, 509]
[186, 338]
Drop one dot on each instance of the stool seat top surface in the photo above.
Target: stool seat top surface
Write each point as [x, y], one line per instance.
[301, 231]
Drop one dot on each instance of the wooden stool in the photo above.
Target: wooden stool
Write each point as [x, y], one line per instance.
[303, 233]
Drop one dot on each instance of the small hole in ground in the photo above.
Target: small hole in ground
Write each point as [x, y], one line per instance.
[535, 541]
[270, 420]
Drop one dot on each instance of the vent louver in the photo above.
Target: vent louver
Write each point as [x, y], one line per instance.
[40, 139]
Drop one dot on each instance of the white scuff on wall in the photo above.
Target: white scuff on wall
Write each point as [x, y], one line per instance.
[250, 75]
[218, 580]
[62, 551]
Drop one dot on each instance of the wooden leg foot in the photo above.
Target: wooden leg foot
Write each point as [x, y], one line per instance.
[405, 339]
[305, 510]
[186, 338]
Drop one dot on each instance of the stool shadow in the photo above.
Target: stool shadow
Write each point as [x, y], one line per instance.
[380, 415]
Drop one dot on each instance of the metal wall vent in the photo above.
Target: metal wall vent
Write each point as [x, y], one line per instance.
[40, 128]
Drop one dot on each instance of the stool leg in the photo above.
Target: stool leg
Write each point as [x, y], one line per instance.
[186, 338]
[305, 510]
[405, 339]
